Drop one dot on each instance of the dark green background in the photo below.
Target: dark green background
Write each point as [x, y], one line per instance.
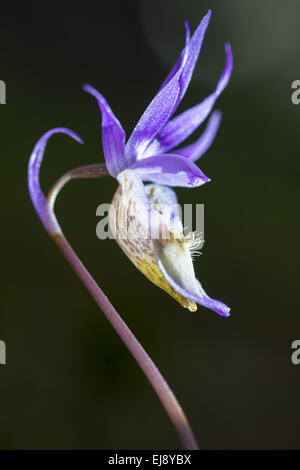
[69, 382]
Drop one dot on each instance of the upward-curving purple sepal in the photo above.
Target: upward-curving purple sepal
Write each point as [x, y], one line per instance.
[158, 112]
[113, 136]
[194, 47]
[182, 126]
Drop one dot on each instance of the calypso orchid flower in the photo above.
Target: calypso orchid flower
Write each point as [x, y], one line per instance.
[138, 211]
[151, 154]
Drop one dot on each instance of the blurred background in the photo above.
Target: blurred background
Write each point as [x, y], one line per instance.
[69, 382]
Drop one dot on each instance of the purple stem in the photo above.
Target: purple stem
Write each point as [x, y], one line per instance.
[48, 218]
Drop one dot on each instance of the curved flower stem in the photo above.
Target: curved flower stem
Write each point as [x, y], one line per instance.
[45, 211]
[96, 170]
[159, 384]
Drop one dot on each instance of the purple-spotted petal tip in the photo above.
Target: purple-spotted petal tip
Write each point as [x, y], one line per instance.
[37, 196]
[200, 297]
[170, 170]
[113, 135]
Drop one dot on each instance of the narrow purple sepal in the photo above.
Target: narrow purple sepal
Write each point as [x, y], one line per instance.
[170, 170]
[157, 114]
[161, 194]
[113, 136]
[198, 148]
[182, 126]
[201, 299]
[178, 64]
[37, 196]
[195, 45]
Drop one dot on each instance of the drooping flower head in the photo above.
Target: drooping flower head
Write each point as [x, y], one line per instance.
[152, 154]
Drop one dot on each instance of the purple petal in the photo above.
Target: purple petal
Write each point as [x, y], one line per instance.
[113, 136]
[194, 47]
[171, 170]
[158, 112]
[193, 54]
[182, 126]
[179, 61]
[197, 149]
[201, 298]
[37, 196]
